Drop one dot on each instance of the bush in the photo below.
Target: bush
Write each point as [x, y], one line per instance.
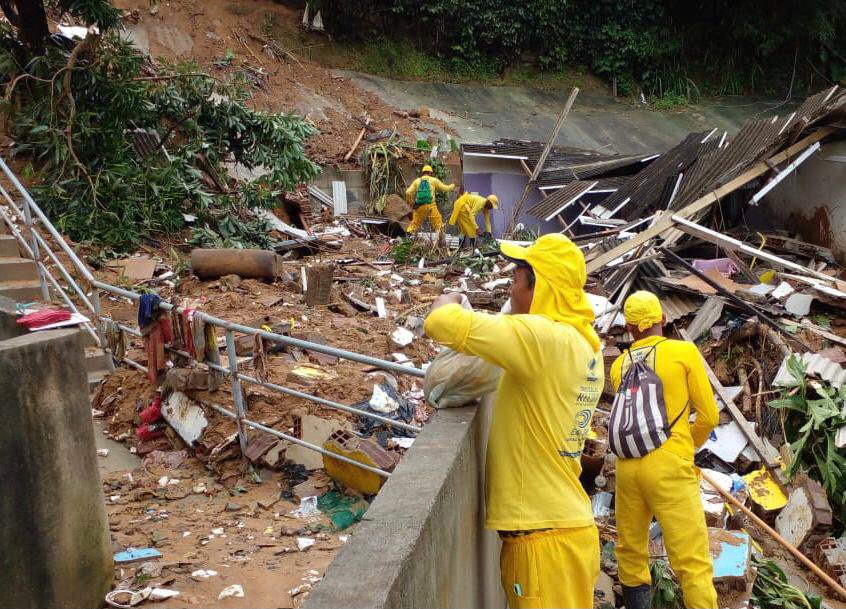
[76, 126]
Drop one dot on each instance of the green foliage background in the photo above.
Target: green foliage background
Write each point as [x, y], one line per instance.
[663, 46]
[72, 123]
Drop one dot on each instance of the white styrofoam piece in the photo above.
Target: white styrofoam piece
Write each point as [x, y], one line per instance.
[729, 442]
[798, 304]
[784, 289]
[185, 416]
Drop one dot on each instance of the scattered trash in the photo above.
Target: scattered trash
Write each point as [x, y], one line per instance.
[307, 509]
[203, 573]
[131, 555]
[402, 336]
[304, 543]
[233, 591]
[102, 452]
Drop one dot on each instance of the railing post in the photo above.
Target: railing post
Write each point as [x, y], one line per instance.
[101, 331]
[36, 253]
[237, 396]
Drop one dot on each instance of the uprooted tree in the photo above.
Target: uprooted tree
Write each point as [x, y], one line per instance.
[120, 149]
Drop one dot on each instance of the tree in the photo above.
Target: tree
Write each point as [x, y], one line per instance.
[29, 18]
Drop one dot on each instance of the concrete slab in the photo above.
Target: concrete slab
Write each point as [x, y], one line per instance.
[482, 113]
[119, 459]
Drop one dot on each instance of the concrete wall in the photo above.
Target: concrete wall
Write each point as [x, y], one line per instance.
[812, 200]
[421, 543]
[54, 535]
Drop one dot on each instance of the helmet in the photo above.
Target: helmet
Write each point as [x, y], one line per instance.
[427, 168]
[494, 200]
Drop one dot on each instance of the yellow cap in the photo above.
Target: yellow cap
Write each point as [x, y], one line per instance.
[427, 168]
[560, 276]
[643, 309]
[494, 201]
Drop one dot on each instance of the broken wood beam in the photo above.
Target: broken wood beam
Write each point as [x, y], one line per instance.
[729, 243]
[356, 142]
[774, 534]
[665, 221]
[518, 207]
[769, 459]
[734, 298]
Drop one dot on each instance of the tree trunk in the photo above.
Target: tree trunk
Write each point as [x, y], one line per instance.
[30, 19]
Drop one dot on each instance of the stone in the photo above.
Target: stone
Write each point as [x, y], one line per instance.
[232, 506]
[807, 515]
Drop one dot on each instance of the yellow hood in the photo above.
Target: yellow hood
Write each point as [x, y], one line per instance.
[560, 276]
[643, 309]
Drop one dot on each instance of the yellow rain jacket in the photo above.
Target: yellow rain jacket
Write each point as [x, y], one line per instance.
[664, 483]
[552, 379]
[436, 185]
[464, 211]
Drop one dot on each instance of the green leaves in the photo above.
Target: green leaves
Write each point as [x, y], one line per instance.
[771, 589]
[117, 196]
[813, 414]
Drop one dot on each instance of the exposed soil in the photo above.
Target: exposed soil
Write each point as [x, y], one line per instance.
[206, 31]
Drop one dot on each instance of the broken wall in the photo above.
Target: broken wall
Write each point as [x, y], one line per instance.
[422, 543]
[506, 179]
[812, 200]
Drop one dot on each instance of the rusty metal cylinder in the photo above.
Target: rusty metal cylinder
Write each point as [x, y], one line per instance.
[214, 263]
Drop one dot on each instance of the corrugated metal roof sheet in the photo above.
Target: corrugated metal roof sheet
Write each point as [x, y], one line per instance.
[560, 199]
[815, 365]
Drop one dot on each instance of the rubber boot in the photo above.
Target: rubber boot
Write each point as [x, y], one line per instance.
[461, 243]
[472, 245]
[637, 597]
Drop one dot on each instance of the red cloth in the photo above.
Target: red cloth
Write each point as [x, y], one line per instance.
[44, 317]
[159, 334]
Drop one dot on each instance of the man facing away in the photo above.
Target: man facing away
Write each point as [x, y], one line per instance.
[664, 483]
[464, 211]
[421, 196]
[552, 379]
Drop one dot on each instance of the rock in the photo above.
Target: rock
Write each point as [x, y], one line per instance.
[233, 507]
[807, 515]
[396, 209]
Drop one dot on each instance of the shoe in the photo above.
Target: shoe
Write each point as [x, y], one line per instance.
[637, 597]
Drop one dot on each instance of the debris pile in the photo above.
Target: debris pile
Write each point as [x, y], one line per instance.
[766, 309]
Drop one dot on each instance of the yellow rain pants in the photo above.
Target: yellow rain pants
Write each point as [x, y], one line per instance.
[421, 213]
[554, 568]
[664, 485]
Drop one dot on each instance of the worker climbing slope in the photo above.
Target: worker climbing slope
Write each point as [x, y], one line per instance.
[659, 383]
[464, 211]
[552, 379]
[421, 196]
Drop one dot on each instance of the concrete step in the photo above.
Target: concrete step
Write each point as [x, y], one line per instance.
[8, 246]
[21, 291]
[17, 269]
[95, 359]
[94, 379]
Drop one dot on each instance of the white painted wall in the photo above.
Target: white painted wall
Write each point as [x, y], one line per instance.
[812, 201]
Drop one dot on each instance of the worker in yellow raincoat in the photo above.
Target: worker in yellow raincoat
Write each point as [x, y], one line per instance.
[552, 379]
[421, 196]
[664, 483]
[464, 211]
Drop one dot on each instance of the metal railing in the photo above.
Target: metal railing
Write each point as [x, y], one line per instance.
[33, 244]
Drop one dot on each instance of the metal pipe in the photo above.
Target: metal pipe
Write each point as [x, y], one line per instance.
[47, 224]
[64, 296]
[278, 338]
[45, 291]
[289, 391]
[303, 443]
[237, 396]
[65, 273]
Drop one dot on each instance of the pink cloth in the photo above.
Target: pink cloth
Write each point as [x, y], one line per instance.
[44, 317]
[725, 266]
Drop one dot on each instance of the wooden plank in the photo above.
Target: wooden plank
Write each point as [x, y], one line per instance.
[665, 221]
[542, 159]
[767, 457]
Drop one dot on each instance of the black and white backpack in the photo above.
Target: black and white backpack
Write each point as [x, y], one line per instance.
[638, 423]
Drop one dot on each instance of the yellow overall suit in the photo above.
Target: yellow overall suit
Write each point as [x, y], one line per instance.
[552, 379]
[665, 483]
[430, 210]
[464, 211]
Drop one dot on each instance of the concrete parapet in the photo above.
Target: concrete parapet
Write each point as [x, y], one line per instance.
[54, 534]
[421, 543]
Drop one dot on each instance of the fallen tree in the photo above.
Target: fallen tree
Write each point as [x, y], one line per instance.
[120, 148]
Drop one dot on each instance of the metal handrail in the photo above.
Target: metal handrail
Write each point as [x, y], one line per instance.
[236, 377]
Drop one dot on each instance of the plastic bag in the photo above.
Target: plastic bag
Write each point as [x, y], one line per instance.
[454, 379]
